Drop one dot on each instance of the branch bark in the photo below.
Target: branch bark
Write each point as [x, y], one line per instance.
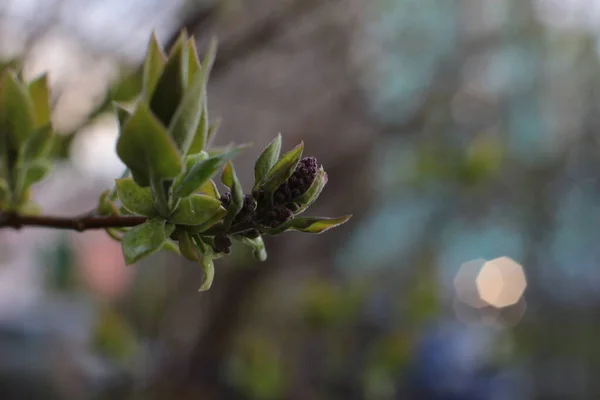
[80, 224]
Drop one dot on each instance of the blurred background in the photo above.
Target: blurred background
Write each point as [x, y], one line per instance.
[462, 135]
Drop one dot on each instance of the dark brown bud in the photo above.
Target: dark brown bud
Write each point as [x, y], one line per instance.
[222, 243]
[252, 234]
[226, 199]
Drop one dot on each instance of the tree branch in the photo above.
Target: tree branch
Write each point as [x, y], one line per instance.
[81, 223]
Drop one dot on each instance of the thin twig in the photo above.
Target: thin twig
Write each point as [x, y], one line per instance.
[81, 223]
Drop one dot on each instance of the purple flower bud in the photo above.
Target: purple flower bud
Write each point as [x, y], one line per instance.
[296, 193]
[279, 197]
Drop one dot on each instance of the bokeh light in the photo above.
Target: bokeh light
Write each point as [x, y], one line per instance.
[501, 282]
[464, 283]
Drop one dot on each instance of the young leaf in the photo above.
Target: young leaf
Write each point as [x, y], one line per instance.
[30, 208]
[313, 192]
[310, 224]
[209, 57]
[38, 143]
[195, 209]
[186, 246]
[4, 192]
[145, 239]
[202, 172]
[142, 178]
[209, 272]
[210, 188]
[171, 85]
[40, 96]
[146, 149]
[258, 247]
[122, 115]
[218, 216]
[153, 66]
[267, 160]
[16, 110]
[193, 159]
[184, 123]
[114, 234]
[36, 171]
[283, 169]
[212, 130]
[171, 246]
[134, 198]
[229, 179]
[193, 61]
[228, 174]
[201, 136]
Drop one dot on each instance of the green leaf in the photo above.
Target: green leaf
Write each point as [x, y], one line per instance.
[218, 216]
[257, 245]
[36, 171]
[122, 115]
[184, 127]
[267, 160]
[140, 177]
[145, 239]
[134, 198]
[16, 110]
[30, 208]
[123, 211]
[146, 149]
[210, 188]
[38, 143]
[201, 135]
[203, 171]
[171, 86]
[171, 246]
[195, 209]
[209, 57]
[4, 192]
[283, 169]
[215, 151]
[153, 65]
[228, 175]
[114, 234]
[184, 123]
[193, 61]
[186, 246]
[213, 129]
[193, 159]
[310, 224]
[40, 96]
[230, 179]
[313, 192]
[209, 272]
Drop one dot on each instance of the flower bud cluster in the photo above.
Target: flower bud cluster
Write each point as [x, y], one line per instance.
[284, 207]
[248, 211]
[298, 183]
[257, 208]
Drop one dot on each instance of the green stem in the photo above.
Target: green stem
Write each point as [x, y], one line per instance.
[160, 197]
